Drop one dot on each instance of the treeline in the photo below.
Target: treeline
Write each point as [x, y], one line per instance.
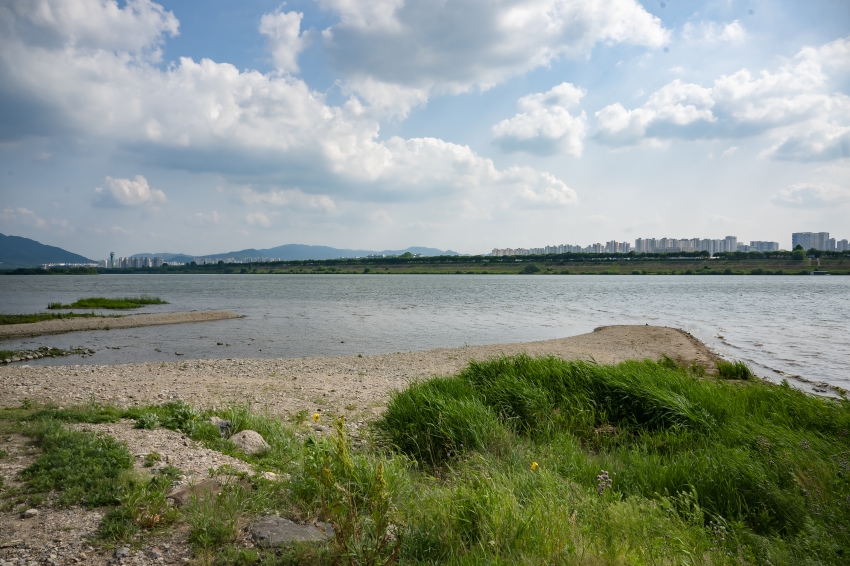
[478, 261]
[51, 271]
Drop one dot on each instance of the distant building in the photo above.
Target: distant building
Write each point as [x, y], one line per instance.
[809, 240]
[759, 246]
[842, 246]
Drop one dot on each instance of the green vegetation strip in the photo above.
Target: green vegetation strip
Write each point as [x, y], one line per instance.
[516, 461]
[124, 303]
[40, 316]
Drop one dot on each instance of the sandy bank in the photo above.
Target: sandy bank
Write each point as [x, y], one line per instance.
[351, 385]
[59, 326]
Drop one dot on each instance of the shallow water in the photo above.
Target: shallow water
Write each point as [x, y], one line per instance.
[798, 325]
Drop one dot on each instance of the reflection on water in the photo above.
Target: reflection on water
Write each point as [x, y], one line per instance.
[794, 324]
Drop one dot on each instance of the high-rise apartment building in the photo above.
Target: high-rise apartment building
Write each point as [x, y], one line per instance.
[809, 240]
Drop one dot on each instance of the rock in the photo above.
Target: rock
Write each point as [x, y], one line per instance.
[183, 494]
[250, 442]
[29, 513]
[271, 476]
[224, 426]
[154, 553]
[272, 532]
[122, 552]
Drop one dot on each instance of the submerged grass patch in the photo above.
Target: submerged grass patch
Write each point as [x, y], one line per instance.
[123, 303]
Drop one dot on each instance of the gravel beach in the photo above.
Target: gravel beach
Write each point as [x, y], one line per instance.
[350, 385]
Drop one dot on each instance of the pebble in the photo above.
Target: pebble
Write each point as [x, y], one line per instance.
[29, 513]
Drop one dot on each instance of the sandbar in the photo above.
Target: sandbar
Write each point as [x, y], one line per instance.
[62, 325]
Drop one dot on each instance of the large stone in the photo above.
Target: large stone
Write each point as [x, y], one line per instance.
[272, 532]
[223, 426]
[202, 490]
[250, 442]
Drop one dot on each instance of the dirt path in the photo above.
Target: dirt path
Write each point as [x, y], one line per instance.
[351, 385]
[62, 325]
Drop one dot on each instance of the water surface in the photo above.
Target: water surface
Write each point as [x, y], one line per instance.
[797, 325]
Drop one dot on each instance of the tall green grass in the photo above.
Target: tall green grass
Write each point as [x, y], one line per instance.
[767, 461]
[124, 303]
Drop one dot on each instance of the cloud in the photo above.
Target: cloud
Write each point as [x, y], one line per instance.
[126, 192]
[204, 219]
[23, 217]
[544, 125]
[208, 116]
[794, 106]
[811, 195]
[258, 219]
[730, 151]
[119, 230]
[285, 41]
[712, 32]
[138, 27]
[291, 198]
[419, 49]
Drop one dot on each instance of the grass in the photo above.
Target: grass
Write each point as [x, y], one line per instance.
[39, 316]
[124, 303]
[733, 370]
[84, 467]
[530, 460]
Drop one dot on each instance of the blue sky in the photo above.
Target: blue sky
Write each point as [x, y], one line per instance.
[204, 127]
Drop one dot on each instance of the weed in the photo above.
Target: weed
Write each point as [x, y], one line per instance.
[733, 370]
[148, 421]
[152, 458]
[214, 521]
[83, 466]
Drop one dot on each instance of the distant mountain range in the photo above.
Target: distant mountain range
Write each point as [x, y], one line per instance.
[295, 252]
[16, 251]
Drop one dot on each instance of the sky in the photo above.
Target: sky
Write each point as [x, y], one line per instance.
[205, 127]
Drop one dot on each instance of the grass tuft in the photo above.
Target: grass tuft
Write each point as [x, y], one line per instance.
[123, 303]
[734, 370]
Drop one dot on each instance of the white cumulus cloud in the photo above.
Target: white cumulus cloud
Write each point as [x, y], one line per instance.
[812, 195]
[211, 116]
[423, 47]
[283, 32]
[544, 124]
[794, 106]
[128, 192]
[713, 32]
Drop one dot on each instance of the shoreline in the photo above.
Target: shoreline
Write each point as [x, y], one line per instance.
[351, 385]
[61, 326]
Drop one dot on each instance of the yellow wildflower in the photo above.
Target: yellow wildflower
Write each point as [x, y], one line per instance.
[316, 417]
[534, 465]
